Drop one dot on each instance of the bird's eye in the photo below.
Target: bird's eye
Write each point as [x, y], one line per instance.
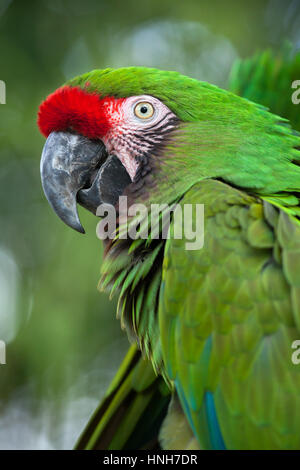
[144, 110]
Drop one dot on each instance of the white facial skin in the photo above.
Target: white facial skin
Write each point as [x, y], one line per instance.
[138, 125]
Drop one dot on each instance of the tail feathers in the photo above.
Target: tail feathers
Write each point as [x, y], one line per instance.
[132, 410]
[267, 78]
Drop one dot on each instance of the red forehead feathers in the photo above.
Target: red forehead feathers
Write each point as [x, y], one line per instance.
[76, 109]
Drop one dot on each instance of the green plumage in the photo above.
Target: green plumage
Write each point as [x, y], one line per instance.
[216, 323]
[267, 79]
[239, 348]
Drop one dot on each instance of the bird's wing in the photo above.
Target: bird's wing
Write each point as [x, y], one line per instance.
[228, 315]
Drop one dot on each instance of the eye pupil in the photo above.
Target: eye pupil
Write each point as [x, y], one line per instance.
[144, 109]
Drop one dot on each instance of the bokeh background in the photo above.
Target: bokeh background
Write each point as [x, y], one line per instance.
[63, 341]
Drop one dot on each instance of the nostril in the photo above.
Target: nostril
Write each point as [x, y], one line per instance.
[91, 178]
[94, 170]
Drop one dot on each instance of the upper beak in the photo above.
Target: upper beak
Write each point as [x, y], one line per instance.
[77, 169]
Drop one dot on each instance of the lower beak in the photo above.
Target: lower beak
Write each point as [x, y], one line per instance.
[77, 169]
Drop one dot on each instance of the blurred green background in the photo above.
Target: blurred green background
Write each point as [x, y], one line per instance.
[63, 341]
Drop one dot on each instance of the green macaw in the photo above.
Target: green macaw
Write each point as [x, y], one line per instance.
[212, 329]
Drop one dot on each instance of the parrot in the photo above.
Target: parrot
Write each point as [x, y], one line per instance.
[211, 330]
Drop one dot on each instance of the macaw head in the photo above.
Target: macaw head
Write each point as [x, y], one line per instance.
[148, 132]
[104, 131]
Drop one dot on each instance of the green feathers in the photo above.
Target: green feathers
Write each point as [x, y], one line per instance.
[228, 316]
[267, 79]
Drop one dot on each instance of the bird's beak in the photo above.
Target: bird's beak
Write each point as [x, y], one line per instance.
[77, 169]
